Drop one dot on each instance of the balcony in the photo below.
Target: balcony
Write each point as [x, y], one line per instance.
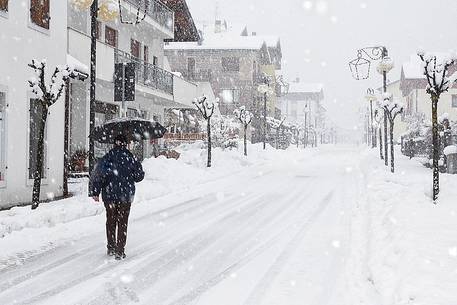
[147, 74]
[202, 75]
[157, 11]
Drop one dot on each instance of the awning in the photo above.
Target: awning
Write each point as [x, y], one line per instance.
[80, 69]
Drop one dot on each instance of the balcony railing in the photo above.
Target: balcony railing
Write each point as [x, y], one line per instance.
[157, 11]
[199, 75]
[147, 74]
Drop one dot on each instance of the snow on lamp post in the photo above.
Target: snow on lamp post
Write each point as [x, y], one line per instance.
[361, 68]
[436, 71]
[265, 90]
[47, 95]
[371, 97]
[392, 108]
[206, 109]
[245, 118]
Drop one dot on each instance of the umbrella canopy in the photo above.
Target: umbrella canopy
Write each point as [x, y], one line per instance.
[134, 129]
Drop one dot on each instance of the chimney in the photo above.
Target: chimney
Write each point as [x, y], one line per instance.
[297, 80]
[218, 26]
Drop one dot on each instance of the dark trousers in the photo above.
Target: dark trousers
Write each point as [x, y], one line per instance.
[117, 217]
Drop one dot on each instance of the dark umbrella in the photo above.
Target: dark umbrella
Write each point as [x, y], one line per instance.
[134, 129]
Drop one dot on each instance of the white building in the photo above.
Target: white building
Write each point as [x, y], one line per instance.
[157, 89]
[410, 89]
[31, 29]
[304, 100]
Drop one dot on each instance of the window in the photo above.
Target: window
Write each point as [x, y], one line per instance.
[34, 130]
[146, 53]
[39, 13]
[191, 66]
[3, 5]
[230, 64]
[135, 47]
[111, 36]
[98, 30]
[2, 136]
[454, 101]
[230, 96]
[155, 60]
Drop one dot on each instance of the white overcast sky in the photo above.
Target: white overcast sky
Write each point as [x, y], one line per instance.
[320, 37]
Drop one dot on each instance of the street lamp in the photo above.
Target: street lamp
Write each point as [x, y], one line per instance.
[266, 90]
[360, 69]
[371, 97]
[305, 132]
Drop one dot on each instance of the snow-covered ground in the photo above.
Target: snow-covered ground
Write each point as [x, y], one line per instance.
[322, 226]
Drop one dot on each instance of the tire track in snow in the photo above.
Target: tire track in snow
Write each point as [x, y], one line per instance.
[144, 251]
[261, 288]
[198, 291]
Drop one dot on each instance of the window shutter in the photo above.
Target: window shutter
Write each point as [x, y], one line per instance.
[39, 13]
[4, 5]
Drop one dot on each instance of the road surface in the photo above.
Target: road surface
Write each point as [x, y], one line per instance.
[277, 233]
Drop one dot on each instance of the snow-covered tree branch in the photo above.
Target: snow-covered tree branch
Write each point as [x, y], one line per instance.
[245, 117]
[47, 95]
[436, 71]
[206, 108]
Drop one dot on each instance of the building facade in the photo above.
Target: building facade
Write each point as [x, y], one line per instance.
[157, 89]
[31, 29]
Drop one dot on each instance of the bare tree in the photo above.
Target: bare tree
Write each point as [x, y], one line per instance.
[245, 118]
[47, 96]
[206, 109]
[436, 71]
[392, 109]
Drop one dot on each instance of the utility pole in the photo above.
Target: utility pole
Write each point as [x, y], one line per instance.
[93, 76]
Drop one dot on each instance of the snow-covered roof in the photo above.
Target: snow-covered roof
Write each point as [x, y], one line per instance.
[413, 69]
[221, 42]
[299, 87]
[73, 63]
[229, 38]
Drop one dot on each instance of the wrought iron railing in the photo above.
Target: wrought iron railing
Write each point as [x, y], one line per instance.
[158, 11]
[147, 74]
[203, 75]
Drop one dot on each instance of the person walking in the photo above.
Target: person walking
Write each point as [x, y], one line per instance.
[114, 177]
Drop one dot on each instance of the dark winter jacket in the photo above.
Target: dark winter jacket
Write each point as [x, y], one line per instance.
[115, 175]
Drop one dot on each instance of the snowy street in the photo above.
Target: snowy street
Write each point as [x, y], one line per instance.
[277, 233]
[287, 227]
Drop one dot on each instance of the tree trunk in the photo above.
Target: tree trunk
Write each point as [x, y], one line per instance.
[392, 160]
[209, 142]
[380, 144]
[277, 138]
[66, 139]
[265, 121]
[245, 140]
[386, 146]
[436, 152]
[37, 175]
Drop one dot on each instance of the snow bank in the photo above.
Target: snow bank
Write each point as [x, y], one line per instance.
[412, 243]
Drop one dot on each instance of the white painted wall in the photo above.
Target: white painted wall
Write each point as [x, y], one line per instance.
[24, 42]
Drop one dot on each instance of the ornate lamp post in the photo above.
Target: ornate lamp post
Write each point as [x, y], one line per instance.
[265, 90]
[361, 68]
[371, 97]
[305, 131]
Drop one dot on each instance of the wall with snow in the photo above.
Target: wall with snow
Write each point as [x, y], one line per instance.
[25, 41]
